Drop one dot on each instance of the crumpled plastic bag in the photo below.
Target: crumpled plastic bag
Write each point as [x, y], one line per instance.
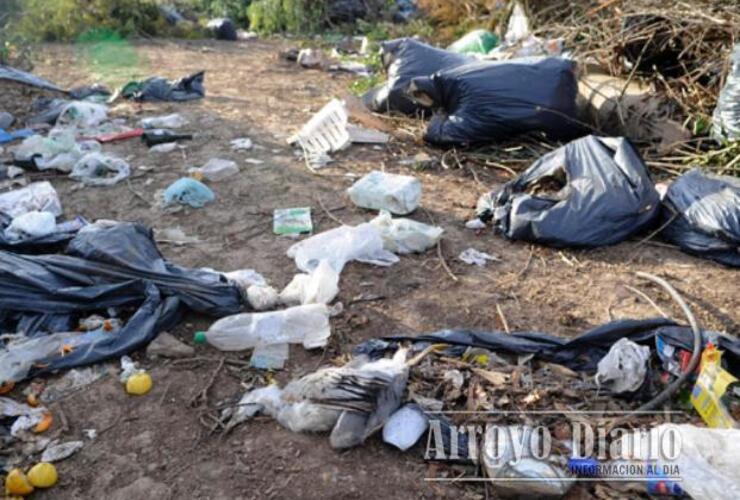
[98, 169]
[82, 114]
[320, 286]
[624, 367]
[59, 150]
[340, 245]
[405, 235]
[726, 117]
[399, 194]
[403, 60]
[32, 224]
[39, 196]
[704, 211]
[187, 191]
[591, 192]
[489, 101]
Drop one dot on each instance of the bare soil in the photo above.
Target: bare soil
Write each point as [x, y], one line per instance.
[159, 446]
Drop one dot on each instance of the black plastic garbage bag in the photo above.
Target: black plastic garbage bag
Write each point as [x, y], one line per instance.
[160, 89]
[46, 110]
[704, 215]
[16, 75]
[90, 92]
[486, 101]
[104, 267]
[593, 191]
[222, 29]
[584, 352]
[405, 59]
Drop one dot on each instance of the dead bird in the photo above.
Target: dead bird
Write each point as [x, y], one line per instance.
[353, 401]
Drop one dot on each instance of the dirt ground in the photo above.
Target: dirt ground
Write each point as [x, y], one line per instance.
[156, 446]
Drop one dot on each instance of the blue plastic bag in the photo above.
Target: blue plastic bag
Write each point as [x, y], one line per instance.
[187, 191]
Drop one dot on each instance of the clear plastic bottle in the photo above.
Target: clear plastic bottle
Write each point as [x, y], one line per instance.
[307, 324]
[216, 170]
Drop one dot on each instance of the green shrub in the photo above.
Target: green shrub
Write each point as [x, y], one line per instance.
[295, 16]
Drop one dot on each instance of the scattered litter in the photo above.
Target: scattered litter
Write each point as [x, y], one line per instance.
[165, 148]
[243, 144]
[326, 132]
[59, 150]
[97, 169]
[119, 136]
[222, 28]
[166, 345]
[405, 427]
[398, 194]
[32, 224]
[160, 89]
[591, 192]
[81, 114]
[312, 59]
[39, 196]
[320, 286]
[512, 459]
[703, 216]
[162, 136]
[174, 120]
[58, 452]
[175, 236]
[405, 59]
[15, 135]
[625, 366]
[710, 388]
[72, 381]
[340, 245]
[136, 380]
[475, 224]
[215, 170]
[362, 135]
[405, 235]
[485, 101]
[307, 325]
[476, 257]
[475, 42]
[726, 118]
[187, 191]
[270, 357]
[292, 221]
[262, 297]
[253, 161]
[244, 278]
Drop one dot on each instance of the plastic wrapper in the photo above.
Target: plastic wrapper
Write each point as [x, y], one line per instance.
[488, 101]
[116, 266]
[405, 59]
[591, 192]
[340, 245]
[398, 194]
[726, 118]
[405, 235]
[703, 216]
[97, 169]
[624, 367]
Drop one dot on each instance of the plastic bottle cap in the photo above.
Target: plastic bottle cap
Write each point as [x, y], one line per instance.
[200, 337]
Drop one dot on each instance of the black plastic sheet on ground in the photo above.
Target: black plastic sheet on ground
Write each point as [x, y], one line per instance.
[160, 89]
[703, 216]
[16, 75]
[583, 352]
[405, 59]
[486, 101]
[114, 267]
[591, 192]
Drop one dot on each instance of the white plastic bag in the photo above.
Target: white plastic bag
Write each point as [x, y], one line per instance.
[58, 151]
[262, 297]
[624, 366]
[174, 120]
[97, 169]
[244, 278]
[39, 196]
[320, 286]
[33, 224]
[341, 245]
[82, 114]
[307, 324]
[399, 194]
[216, 170]
[406, 235]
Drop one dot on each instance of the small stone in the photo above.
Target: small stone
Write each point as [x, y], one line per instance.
[167, 345]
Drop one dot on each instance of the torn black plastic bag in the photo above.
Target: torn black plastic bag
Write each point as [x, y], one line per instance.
[119, 267]
[222, 29]
[702, 214]
[160, 89]
[488, 101]
[593, 191]
[584, 352]
[405, 59]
